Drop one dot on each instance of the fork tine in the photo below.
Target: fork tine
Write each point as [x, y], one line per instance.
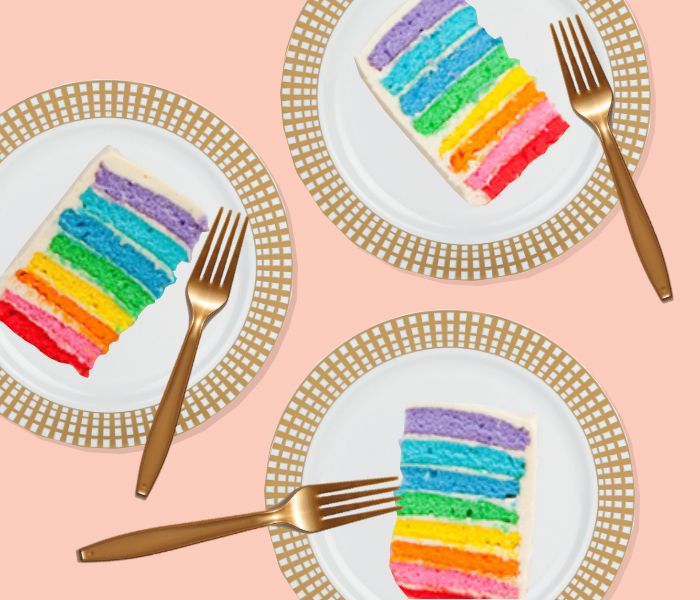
[597, 67]
[216, 251]
[218, 278]
[570, 87]
[338, 521]
[201, 261]
[590, 80]
[343, 508]
[575, 69]
[326, 488]
[335, 498]
[228, 281]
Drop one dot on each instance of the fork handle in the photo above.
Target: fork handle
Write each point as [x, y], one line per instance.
[643, 235]
[162, 430]
[171, 537]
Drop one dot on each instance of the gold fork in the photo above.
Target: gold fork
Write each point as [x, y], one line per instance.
[207, 293]
[592, 99]
[309, 509]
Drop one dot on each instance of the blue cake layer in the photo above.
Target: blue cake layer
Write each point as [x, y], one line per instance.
[130, 224]
[438, 480]
[453, 454]
[412, 62]
[104, 241]
[448, 71]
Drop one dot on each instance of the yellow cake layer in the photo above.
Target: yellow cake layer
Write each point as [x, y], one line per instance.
[511, 82]
[91, 297]
[475, 536]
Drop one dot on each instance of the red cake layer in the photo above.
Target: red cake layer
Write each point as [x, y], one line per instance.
[516, 165]
[36, 336]
[433, 594]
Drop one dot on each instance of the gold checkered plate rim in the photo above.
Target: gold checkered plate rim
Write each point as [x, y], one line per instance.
[268, 224]
[533, 248]
[490, 334]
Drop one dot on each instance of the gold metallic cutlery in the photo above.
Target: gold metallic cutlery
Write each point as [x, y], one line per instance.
[592, 99]
[309, 509]
[207, 292]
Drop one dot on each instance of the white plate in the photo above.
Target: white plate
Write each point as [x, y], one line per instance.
[388, 198]
[356, 559]
[135, 370]
[391, 175]
[345, 421]
[128, 381]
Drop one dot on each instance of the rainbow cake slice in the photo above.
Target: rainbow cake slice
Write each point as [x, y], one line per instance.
[455, 91]
[467, 496]
[108, 249]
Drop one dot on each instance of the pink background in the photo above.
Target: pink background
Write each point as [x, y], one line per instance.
[595, 302]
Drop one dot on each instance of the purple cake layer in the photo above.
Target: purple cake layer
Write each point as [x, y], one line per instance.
[466, 426]
[401, 35]
[173, 217]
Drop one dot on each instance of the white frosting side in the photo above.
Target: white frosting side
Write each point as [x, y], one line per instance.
[526, 505]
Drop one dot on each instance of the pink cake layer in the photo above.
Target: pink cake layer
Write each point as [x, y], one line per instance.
[512, 143]
[64, 337]
[419, 576]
